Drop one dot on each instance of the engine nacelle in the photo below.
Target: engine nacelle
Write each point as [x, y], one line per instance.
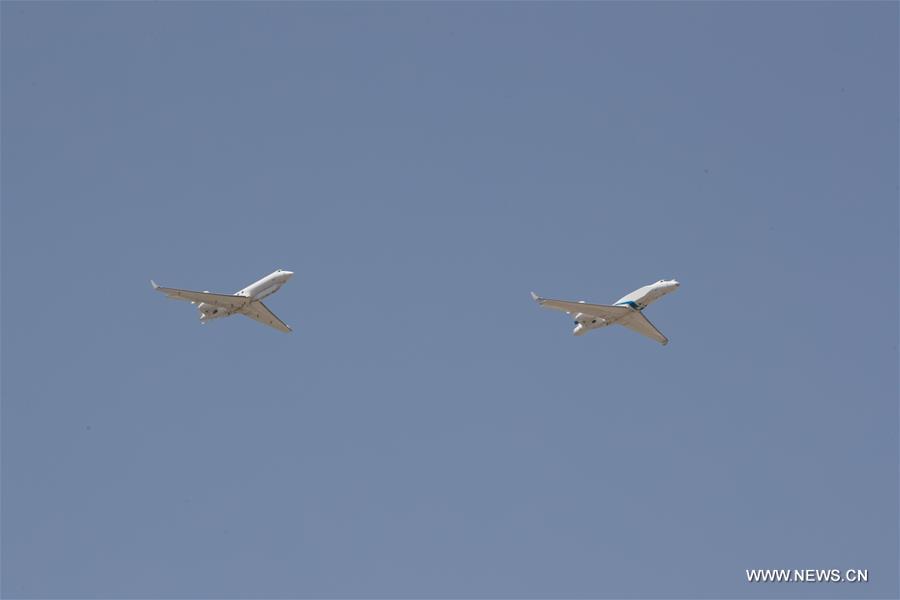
[208, 311]
[585, 323]
[589, 320]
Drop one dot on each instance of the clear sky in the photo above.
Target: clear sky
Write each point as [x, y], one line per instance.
[427, 430]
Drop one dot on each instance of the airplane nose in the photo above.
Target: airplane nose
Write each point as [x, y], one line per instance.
[288, 273]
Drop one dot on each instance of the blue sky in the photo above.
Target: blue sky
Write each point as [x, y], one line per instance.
[427, 431]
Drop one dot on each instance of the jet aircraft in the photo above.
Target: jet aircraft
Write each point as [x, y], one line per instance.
[247, 302]
[626, 311]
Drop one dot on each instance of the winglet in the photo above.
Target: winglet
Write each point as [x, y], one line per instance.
[154, 284]
[537, 298]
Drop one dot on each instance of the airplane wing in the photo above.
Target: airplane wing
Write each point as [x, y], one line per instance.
[637, 322]
[260, 312]
[610, 313]
[221, 300]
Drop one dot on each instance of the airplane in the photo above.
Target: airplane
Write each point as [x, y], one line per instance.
[247, 302]
[625, 311]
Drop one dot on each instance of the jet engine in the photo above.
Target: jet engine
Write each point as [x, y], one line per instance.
[208, 311]
[589, 321]
[585, 323]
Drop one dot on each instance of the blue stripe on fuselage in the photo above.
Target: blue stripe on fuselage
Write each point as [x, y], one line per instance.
[630, 303]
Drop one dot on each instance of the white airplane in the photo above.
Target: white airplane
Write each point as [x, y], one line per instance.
[247, 302]
[625, 311]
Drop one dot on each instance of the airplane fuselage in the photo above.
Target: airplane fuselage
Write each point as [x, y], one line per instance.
[257, 290]
[266, 286]
[638, 300]
[643, 297]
